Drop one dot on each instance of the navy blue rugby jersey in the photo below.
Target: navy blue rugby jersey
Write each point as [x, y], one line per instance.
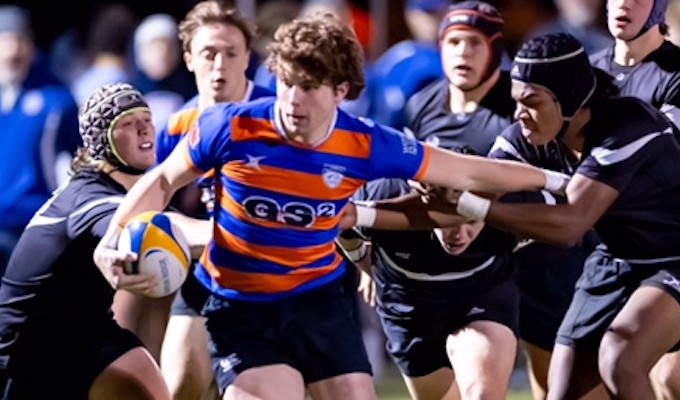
[429, 118]
[418, 256]
[51, 280]
[631, 147]
[656, 80]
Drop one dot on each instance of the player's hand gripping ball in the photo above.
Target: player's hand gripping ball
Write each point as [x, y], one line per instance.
[162, 250]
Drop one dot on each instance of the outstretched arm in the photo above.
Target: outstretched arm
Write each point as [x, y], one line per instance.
[482, 174]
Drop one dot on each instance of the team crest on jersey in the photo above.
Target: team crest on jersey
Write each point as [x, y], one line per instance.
[194, 136]
[332, 175]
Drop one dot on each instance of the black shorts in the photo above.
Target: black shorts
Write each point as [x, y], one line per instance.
[546, 278]
[317, 333]
[63, 363]
[191, 297]
[601, 292]
[418, 316]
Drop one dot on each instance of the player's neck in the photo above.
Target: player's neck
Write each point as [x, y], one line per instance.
[574, 137]
[237, 95]
[313, 136]
[125, 180]
[632, 52]
[467, 101]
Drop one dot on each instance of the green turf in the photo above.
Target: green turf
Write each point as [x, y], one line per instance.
[392, 388]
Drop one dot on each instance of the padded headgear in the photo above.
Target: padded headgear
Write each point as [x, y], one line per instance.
[657, 16]
[558, 62]
[99, 115]
[482, 17]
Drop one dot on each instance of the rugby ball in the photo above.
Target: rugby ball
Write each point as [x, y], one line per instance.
[162, 250]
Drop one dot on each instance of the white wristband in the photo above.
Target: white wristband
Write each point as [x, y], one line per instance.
[556, 182]
[472, 206]
[359, 253]
[366, 215]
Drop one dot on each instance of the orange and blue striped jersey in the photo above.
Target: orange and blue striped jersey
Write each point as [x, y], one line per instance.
[278, 203]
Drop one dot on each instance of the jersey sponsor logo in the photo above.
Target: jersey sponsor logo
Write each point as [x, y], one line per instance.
[229, 362]
[332, 175]
[194, 136]
[515, 72]
[293, 213]
[459, 19]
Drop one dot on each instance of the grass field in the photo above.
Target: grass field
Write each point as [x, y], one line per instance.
[392, 388]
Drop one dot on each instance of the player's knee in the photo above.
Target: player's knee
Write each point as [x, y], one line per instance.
[618, 365]
[484, 391]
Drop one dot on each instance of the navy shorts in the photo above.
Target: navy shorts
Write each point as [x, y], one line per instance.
[601, 292]
[191, 297]
[418, 316]
[317, 333]
[546, 278]
[65, 365]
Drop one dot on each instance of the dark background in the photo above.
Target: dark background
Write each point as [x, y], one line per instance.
[52, 17]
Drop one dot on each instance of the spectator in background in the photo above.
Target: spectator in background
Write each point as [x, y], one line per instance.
[39, 120]
[67, 56]
[109, 37]
[407, 66]
[158, 70]
[583, 19]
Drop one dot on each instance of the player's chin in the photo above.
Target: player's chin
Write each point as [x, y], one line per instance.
[455, 250]
[535, 138]
[144, 162]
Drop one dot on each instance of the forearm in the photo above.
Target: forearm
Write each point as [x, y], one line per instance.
[150, 193]
[414, 214]
[481, 174]
[357, 250]
[545, 223]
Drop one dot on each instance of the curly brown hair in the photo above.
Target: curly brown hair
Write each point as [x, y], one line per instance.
[318, 48]
[208, 12]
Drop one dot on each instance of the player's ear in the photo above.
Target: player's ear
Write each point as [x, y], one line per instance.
[188, 60]
[341, 91]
